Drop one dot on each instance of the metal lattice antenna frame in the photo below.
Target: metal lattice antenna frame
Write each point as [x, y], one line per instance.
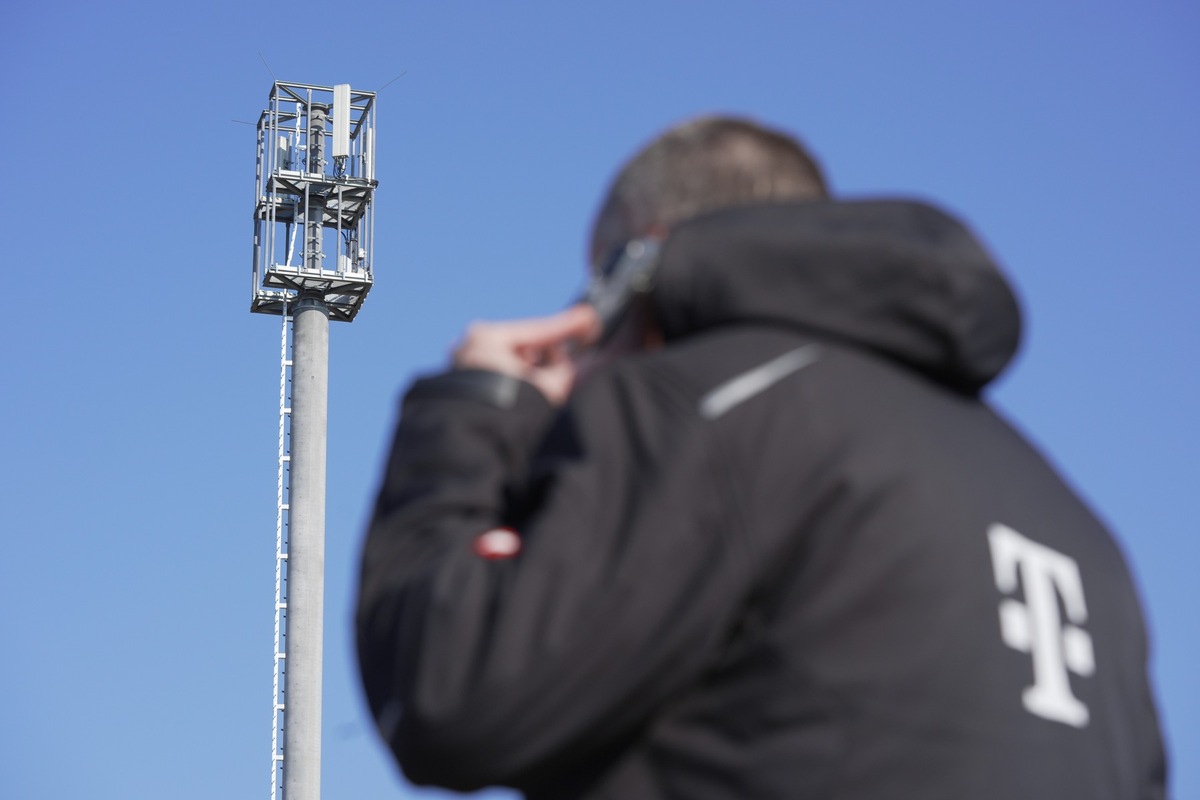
[300, 192]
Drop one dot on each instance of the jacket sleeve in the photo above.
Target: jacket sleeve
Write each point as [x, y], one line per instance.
[628, 580]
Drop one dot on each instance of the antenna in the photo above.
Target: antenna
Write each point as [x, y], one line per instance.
[329, 205]
[393, 80]
[268, 66]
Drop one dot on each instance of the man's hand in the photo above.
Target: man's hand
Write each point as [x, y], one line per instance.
[533, 349]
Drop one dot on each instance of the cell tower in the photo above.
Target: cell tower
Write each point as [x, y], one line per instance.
[315, 185]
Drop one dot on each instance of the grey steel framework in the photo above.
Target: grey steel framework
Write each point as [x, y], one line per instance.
[324, 202]
[315, 184]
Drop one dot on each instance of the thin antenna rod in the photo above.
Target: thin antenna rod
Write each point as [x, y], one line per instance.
[393, 80]
[268, 66]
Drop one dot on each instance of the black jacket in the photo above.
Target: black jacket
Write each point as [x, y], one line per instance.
[789, 555]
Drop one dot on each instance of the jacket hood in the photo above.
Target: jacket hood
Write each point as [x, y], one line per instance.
[900, 278]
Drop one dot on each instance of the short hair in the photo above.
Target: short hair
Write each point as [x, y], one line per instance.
[703, 165]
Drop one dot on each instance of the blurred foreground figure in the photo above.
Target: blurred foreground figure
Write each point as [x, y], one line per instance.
[771, 545]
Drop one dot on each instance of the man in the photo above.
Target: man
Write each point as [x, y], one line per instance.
[777, 548]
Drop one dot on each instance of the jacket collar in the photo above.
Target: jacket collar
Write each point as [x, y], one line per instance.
[899, 278]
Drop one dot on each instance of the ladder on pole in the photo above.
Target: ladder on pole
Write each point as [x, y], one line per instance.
[279, 713]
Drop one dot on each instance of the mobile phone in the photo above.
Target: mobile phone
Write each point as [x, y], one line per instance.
[625, 276]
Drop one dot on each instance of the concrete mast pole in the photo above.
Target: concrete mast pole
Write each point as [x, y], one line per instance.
[306, 515]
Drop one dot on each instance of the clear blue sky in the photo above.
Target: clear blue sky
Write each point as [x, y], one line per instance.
[139, 399]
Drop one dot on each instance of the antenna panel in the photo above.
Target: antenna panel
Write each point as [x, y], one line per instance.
[368, 149]
[341, 120]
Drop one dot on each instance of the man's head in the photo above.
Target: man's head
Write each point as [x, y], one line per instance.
[702, 165]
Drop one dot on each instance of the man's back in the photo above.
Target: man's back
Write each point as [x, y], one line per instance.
[791, 554]
[933, 614]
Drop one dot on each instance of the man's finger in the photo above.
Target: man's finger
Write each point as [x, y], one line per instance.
[577, 322]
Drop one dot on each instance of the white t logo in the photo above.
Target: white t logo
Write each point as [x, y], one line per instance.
[1035, 626]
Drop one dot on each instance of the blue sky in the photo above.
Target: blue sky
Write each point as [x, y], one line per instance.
[139, 410]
